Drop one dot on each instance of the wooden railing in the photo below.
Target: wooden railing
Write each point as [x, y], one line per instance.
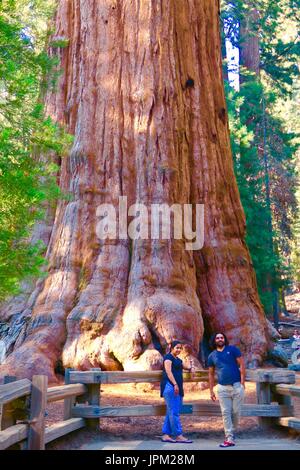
[22, 412]
[23, 403]
[285, 392]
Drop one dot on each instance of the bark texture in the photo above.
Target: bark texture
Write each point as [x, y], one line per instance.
[142, 93]
[249, 43]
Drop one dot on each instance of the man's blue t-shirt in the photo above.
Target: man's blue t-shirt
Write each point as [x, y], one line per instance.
[226, 365]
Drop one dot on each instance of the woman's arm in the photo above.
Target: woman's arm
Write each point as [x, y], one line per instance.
[168, 369]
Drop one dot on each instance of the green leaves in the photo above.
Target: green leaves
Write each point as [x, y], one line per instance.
[261, 122]
[254, 130]
[26, 180]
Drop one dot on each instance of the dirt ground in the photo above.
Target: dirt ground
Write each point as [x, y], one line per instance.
[293, 304]
[150, 427]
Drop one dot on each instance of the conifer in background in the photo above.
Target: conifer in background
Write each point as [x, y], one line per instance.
[264, 145]
[26, 179]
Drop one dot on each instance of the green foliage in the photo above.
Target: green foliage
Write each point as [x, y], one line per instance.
[269, 244]
[277, 26]
[264, 140]
[28, 139]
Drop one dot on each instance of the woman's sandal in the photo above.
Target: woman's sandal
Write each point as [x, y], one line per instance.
[184, 441]
[167, 440]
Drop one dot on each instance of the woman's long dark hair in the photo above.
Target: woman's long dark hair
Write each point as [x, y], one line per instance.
[212, 342]
[173, 344]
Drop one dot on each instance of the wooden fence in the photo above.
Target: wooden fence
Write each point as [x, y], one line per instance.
[23, 403]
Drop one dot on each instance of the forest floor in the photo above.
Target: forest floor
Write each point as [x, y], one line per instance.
[119, 433]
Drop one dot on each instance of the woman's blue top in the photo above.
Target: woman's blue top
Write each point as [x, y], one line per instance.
[176, 371]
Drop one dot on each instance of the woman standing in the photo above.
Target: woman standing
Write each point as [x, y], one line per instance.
[171, 389]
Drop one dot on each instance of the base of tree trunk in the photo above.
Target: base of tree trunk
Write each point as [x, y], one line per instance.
[142, 92]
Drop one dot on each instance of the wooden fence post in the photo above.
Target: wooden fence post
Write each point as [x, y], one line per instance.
[263, 395]
[94, 399]
[266, 392]
[68, 402]
[36, 433]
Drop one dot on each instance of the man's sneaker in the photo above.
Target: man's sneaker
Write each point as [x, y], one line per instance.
[227, 444]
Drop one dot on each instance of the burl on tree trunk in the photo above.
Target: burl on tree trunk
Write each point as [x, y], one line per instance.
[142, 93]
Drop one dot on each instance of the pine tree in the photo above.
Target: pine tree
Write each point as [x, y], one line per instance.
[264, 151]
[26, 180]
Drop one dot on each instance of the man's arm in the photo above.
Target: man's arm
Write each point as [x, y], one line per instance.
[211, 378]
[241, 363]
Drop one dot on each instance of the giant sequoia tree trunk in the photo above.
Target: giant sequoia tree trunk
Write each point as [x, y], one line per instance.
[142, 93]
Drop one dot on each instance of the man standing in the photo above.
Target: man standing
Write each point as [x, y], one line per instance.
[227, 361]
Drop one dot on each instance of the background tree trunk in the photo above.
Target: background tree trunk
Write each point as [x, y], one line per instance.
[250, 62]
[249, 43]
[142, 131]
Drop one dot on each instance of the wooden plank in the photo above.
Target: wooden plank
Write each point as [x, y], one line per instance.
[202, 409]
[19, 432]
[284, 376]
[87, 411]
[291, 422]
[36, 435]
[272, 410]
[94, 400]
[85, 377]
[65, 391]
[290, 390]
[263, 396]
[12, 435]
[263, 393]
[63, 427]
[69, 402]
[89, 377]
[105, 377]
[11, 391]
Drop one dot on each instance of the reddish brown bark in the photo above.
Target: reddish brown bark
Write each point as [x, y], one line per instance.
[249, 43]
[140, 131]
